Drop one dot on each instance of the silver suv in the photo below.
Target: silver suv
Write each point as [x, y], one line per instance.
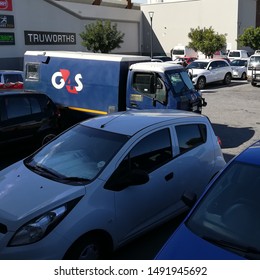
[205, 71]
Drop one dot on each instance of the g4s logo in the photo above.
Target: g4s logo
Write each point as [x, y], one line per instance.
[62, 78]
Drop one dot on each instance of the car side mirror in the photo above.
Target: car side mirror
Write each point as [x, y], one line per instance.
[189, 198]
[131, 178]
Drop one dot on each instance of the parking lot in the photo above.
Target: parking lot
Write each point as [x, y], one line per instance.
[234, 113]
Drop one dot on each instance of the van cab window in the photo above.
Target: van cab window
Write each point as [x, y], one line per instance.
[151, 85]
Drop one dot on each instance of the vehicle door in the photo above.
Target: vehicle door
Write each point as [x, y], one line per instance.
[213, 72]
[171, 170]
[146, 86]
[138, 207]
[222, 69]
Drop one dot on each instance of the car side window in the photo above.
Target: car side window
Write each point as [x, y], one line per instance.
[17, 106]
[35, 105]
[152, 152]
[13, 78]
[222, 64]
[149, 154]
[191, 136]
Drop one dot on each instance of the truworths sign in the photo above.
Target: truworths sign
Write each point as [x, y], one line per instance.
[49, 38]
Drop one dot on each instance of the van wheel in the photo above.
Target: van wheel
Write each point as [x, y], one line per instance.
[47, 138]
[227, 79]
[88, 248]
[253, 84]
[201, 83]
[243, 76]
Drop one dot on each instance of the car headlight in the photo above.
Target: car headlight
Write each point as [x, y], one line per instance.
[195, 76]
[39, 227]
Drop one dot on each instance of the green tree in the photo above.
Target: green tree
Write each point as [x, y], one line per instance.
[250, 38]
[101, 36]
[206, 40]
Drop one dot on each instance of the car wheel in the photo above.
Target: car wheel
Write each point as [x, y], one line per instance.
[243, 76]
[227, 79]
[48, 138]
[88, 248]
[201, 83]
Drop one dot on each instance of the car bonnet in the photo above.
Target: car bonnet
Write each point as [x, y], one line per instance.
[185, 245]
[25, 195]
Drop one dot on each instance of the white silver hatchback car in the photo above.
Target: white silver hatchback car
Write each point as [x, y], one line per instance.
[205, 71]
[104, 182]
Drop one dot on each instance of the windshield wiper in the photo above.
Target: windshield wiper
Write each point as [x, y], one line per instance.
[248, 251]
[75, 179]
[44, 170]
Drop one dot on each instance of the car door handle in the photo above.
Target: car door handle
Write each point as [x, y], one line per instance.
[168, 176]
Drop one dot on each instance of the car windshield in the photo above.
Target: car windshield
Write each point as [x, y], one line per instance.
[254, 61]
[78, 155]
[238, 62]
[229, 214]
[198, 65]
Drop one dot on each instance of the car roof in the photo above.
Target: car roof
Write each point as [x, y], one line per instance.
[209, 59]
[19, 92]
[11, 72]
[131, 121]
[251, 155]
[155, 66]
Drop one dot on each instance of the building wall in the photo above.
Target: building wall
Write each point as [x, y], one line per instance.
[171, 24]
[56, 17]
[172, 21]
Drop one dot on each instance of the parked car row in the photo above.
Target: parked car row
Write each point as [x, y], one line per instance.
[205, 71]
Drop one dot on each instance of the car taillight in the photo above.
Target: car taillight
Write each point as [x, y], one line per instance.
[219, 141]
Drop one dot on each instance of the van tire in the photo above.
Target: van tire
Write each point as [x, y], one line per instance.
[253, 84]
[201, 83]
[227, 79]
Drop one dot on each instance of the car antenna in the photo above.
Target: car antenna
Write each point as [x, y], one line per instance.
[117, 116]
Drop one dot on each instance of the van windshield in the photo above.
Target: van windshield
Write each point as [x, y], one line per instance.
[178, 52]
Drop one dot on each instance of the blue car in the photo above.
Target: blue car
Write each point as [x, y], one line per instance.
[225, 222]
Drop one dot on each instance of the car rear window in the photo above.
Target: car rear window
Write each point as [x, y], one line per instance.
[191, 136]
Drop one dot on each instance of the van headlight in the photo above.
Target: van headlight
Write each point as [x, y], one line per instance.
[39, 227]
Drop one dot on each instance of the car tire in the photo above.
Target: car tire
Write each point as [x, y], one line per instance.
[243, 76]
[227, 79]
[201, 83]
[88, 247]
